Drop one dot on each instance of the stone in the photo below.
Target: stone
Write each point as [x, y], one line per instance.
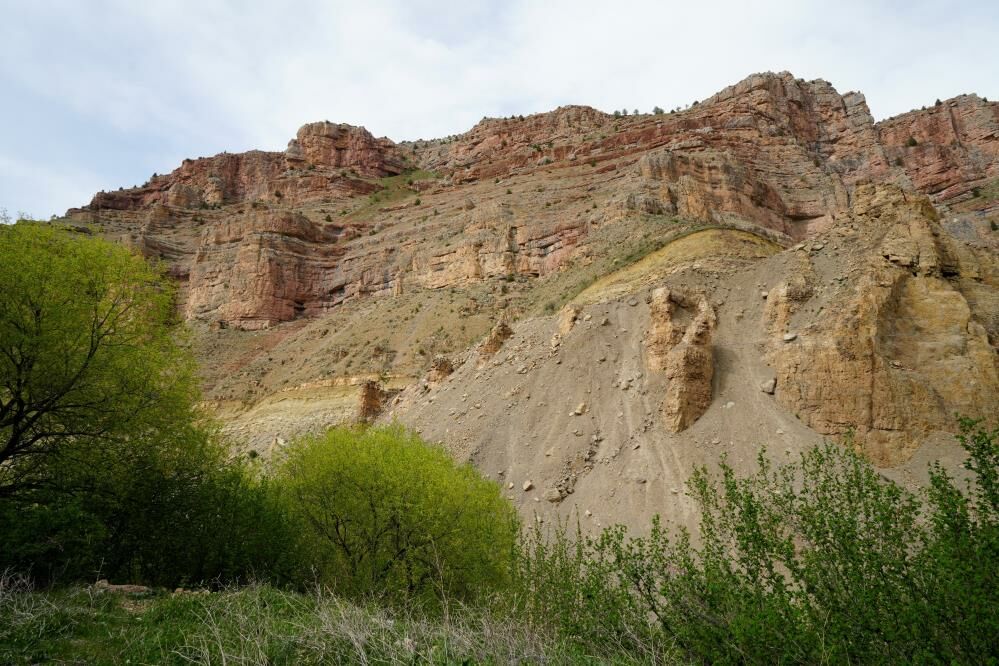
[769, 386]
[682, 352]
[790, 337]
[842, 377]
[528, 485]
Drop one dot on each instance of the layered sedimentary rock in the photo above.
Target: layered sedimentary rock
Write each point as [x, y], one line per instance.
[263, 268]
[344, 146]
[945, 150]
[885, 333]
[901, 349]
[771, 151]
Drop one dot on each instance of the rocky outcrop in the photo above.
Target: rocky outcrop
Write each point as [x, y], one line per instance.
[499, 334]
[679, 346]
[902, 349]
[370, 400]
[344, 146]
[264, 268]
[324, 161]
[772, 151]
[440, 369]
[947, 149]
[884, 333]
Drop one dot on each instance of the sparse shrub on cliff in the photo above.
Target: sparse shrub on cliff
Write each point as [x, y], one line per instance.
[388, 514]
[912, 143]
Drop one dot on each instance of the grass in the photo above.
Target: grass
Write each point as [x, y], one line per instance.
[256, 624]
[393, 189]
[653, 263]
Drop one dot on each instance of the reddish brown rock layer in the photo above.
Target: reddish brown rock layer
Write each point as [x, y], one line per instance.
[523, 196]
[947, 149]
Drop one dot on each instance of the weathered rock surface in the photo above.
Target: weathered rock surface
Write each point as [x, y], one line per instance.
[770, 151]
[679, 346]
[344, 146]
[265, 268]
[902, 349]
[871, 310]
[947, 149]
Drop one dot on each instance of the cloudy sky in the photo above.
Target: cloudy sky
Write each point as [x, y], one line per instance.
[103, 93]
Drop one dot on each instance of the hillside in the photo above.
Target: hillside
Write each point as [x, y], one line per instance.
[620, 298]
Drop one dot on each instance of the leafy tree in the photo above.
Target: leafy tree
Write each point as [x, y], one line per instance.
[88, 357]
[389, 514]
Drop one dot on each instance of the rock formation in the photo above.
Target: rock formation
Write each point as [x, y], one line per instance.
[865, 300]
[679, 346]
[901, 349]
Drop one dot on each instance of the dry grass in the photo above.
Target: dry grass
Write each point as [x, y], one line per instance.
[255, 625]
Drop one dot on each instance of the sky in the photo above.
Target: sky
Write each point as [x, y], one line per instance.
[101, 94]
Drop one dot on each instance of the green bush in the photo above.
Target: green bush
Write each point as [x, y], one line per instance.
[389, 514]
[820, 560]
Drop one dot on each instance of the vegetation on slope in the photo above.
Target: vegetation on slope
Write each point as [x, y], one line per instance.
[369, 544]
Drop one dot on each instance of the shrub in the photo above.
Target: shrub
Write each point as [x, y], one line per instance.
[911, 143]
[388, 514]
[815, 561]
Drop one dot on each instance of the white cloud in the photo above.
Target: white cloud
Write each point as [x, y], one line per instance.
[161, 79]
[43, 183]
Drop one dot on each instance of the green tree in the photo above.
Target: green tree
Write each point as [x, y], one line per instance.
[88, 355]
[390, 514]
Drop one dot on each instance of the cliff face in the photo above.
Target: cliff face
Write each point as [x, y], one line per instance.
[348, 257]
[900, 347]
[947, 149]
[771, 151]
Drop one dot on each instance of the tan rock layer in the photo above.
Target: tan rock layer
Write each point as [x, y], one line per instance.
[901, 351]
[679, 346]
